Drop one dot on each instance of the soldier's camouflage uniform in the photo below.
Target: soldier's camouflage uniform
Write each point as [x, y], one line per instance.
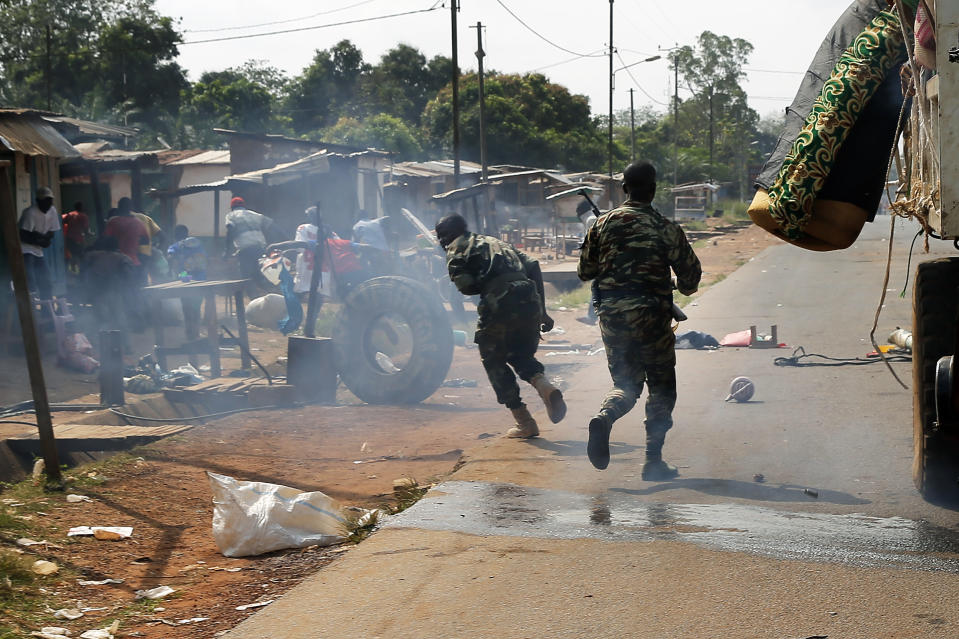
[629, 252]
[507, 332]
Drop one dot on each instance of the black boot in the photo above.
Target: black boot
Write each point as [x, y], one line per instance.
[597, 448]
[655, 469]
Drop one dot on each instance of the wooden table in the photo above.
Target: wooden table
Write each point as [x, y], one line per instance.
[206, 290]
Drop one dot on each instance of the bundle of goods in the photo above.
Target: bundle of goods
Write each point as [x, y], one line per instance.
[826, 176]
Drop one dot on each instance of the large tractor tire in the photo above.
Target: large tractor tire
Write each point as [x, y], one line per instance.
[393, 341]
[935, 468]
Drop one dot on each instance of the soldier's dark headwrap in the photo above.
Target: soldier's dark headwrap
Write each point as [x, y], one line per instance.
[449, 228]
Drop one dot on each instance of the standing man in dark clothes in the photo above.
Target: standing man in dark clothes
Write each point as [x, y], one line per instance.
[37, 225]
[629, 252]
[512, 313]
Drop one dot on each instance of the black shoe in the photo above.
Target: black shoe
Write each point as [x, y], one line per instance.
[658, 470]
[597, 448]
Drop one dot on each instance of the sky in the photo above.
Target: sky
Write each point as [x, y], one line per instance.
[785, 34]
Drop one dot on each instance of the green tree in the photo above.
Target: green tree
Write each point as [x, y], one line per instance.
[530, 121]
[107, 60]
[382, 131]
[404, 81]
[718, 111]
[326, 90]
[226, 99]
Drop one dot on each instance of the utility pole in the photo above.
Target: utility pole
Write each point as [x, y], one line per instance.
[480, 54]
[48, 71]
[454, 6]
[711, 136]
[611, 82]
[675, 122]
[632, 128]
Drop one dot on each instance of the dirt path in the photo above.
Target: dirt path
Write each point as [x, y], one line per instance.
[351, 452]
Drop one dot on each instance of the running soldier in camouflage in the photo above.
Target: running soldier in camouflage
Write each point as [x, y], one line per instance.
[629, 252]
[512, 313]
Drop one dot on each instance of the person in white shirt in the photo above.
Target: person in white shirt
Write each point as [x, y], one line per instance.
[37, 225]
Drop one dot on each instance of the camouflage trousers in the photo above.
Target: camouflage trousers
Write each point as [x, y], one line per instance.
[640, 350]
[507, 346]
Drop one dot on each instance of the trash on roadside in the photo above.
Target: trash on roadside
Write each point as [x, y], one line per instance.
[76, 353]
[43, 567]
[38, 468]
[221, 569]
[258, 604]
[557, 330]
[51, 632]
[26, 543]
[67, 613]
[102, 633]
[184, 375]
[102, 582]
[696, 340]
[571, 352]
[596, 351]
[105, 533]
[741, 389]
[252, 518]
[184, 622]
[740, 338]
[460, 383]
[155, 593]
[140, 385]
[76, 499]
[811, 492]
[759, 478]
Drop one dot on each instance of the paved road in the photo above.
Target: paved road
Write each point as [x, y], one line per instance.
[527, 540]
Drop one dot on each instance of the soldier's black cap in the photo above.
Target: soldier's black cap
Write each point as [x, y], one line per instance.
[449, 228]
[639, 175]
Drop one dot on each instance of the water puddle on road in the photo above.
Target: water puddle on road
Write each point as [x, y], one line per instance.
[482, 508]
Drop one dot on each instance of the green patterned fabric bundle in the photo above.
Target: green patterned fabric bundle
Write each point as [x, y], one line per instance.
[853, 82]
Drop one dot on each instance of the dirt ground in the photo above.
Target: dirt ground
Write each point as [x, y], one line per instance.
[352, 452]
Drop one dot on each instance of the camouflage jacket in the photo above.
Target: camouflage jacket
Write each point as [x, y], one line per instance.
[630, 250]
[495, 270]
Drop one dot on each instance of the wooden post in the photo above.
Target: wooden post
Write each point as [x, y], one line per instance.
[136, 187]
[41, 404]
[97, 203]
[216, 215]
[111, 368]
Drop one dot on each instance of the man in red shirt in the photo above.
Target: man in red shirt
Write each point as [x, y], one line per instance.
[75, 225]
[131, 234]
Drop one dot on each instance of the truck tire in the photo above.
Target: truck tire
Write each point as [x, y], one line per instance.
[935, 468]
[393, 341]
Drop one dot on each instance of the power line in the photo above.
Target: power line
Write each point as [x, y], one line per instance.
[313, 28]
[568, 60]
[774, 71]
[633, 78]
[544, 38]
[268, 24]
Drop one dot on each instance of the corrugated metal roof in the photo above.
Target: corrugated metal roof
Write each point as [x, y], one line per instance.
[94, 128]
[30, 135]
[434, 168]
[205, 157]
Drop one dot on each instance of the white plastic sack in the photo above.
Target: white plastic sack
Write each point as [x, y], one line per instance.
[252, 518]
[266, 311]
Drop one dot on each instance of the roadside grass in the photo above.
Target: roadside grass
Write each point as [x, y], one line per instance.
[695, 225]
[733, 210]
[572, 299]
[360, 525]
